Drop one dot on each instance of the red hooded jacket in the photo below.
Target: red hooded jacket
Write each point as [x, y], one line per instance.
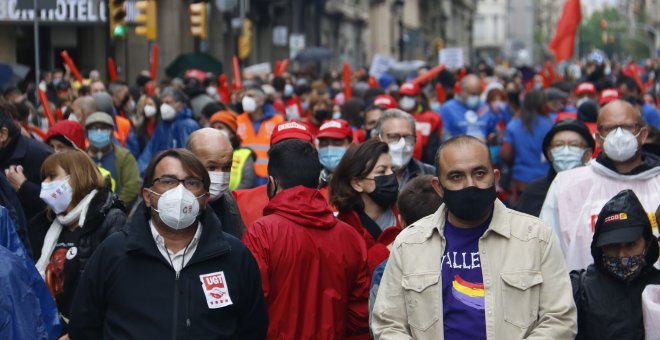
[313, 268]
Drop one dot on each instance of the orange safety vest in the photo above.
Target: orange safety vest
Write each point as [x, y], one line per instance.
[259, 141]
[122, 130]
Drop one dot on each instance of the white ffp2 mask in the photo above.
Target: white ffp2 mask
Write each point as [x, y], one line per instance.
[177, 208]
[219, 184]
[620, 145]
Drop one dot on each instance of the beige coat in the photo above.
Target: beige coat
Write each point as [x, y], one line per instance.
[527, 288]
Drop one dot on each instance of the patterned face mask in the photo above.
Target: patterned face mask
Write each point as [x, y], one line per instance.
[625, 268]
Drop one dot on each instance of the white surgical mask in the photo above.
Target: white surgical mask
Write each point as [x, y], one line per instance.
[211, 91]
[149, 111]
[57, 194]
[407, 103]
[472, 102]
[401, 153]
[219, 184]
[249, 104]
[620, 145]
[73, 117]
[288, 90]
[167, 112]
[566, 157]
[177, 208]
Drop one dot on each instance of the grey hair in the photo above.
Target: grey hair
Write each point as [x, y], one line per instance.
[175, 93]
[392, 114]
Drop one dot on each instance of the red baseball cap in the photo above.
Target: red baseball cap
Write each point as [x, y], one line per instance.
[585, 87]
[335, 128]
[409, 89]
[385, 101]
[290, 130]
[608, 95]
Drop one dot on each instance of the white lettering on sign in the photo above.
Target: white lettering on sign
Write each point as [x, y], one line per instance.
[67, 11]
[215, 290]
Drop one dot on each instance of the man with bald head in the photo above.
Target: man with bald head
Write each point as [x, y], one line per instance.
[474, 263]
[576, 196]
[466, 114]
[213, 148]
[82, 108]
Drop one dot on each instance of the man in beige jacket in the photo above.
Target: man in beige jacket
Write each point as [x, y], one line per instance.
[474, 269]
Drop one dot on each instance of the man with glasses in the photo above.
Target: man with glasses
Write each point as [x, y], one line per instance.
[576, 196]
[171, 272]
[567, 145]
[397, 128]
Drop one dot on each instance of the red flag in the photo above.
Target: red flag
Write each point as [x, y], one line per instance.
[563, 42]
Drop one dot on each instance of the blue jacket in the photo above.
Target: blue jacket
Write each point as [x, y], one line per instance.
[168, 135]
[455, 120]
[27, 310]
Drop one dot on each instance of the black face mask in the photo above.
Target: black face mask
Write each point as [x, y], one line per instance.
[514, 97]
[471, 203]
[368, 133]
[321, 115]
[237, 107]
[387, 189]
[124, 101]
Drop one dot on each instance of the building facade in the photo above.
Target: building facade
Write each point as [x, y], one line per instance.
[355, 30]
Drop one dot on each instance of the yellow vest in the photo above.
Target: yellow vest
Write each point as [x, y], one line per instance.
[107, 175]
[238, 162]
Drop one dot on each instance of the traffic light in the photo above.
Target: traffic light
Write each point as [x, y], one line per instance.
[146, 19]
[198, 19]
[117, 19]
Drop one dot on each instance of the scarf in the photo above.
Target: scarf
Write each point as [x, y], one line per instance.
[78, 213]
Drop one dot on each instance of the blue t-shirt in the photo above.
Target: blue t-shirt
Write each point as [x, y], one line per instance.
[462, 283]
[529, 163]
[458, 119]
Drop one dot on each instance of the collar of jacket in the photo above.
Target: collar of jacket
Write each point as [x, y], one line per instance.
[499, 223]
[16, 149]
[212, 242]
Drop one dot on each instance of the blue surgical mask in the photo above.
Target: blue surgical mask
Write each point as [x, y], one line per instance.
[99, 138]
[566, 157]
[472, 102]
[330, 156]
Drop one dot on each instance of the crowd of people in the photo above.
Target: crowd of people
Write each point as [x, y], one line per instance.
[490, 202]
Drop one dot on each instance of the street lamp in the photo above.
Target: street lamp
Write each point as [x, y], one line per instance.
[397, 7]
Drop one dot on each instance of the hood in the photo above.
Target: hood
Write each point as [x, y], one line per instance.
[185, 113]
[622, 216]
[70, 130]
[303, 206]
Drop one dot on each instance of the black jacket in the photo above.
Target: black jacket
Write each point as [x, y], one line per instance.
[105, 215]
[416, 168]
[129, 291]
[609, 308]
[226, 210]
[532, 198]
[29, 154]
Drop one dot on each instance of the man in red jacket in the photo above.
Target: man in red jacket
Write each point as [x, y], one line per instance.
[313, 266]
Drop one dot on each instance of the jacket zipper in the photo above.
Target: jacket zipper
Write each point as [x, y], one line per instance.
[187, 305]
[175, 312]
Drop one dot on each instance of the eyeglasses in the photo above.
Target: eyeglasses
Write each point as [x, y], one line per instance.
[167, 182]
[395, 137]
[632, 128]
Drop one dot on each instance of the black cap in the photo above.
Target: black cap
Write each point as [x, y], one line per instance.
[587, 112]
[567, 125]
[622, 220]
[555, 94]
